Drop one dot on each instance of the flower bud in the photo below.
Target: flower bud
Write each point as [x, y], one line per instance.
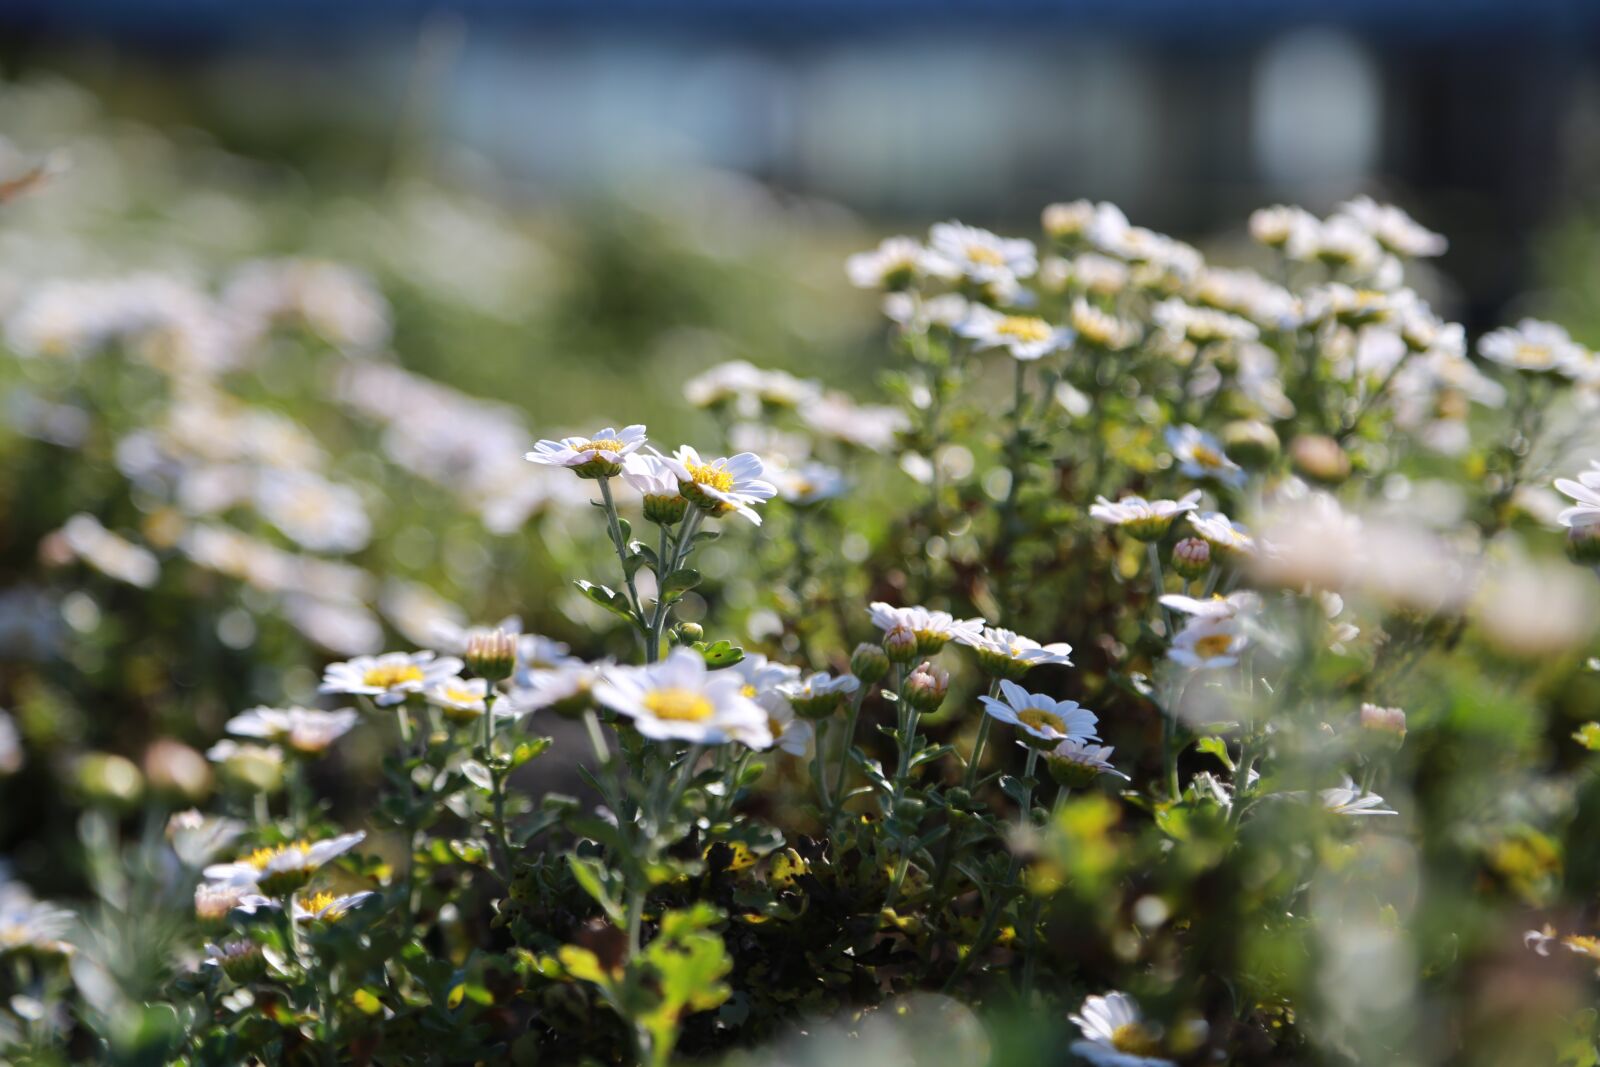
[1385, 724]
[926, 688]
[1319, 458]
[492, 654]
[214, 900]
[664, 510]
[109, 780]
[242, 961]
[869, 663]
[1251, 443]
[1583, 545]
[900, 644]
[177, 772]
[687, 633]
[1191, 558]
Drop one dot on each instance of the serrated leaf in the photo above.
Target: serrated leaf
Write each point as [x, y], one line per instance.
[680, 581]
[610, 599]
[721, 654]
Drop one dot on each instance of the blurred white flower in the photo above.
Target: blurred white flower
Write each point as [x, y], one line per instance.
[957, 249]
[1585, 494]
[1115, 1034]
[1202, 325]
[1347, 798]
[1392, 228]
[1199, 455]
[111, 555]
[812, 483]
[1530, 345]
[280, 869]
[312, 511]
[1208, 642]
[461, 698]
[896, 263]
[306, 731]
[1145, 519]
[1221, 532]
[869, 426]
[1025, 337]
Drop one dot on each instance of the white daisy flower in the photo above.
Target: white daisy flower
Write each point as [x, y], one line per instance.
[1199, 455]
[1346, 798]
[328, 907]
[29, 924]
[790, 733]
[1115, 1034]
[196, 838]
[934, 629]
[1585, 493]
[870, 426]
[1145, 519]
[214, 900]
[540, 653]
[1007, 654]
[1342, 244]
[650, 476]
[1076, 764]
[916, 313]
[597, 456]
[1215, 607]
[760, 677]
[1044, 719]
[462, 699]
[679, 699]
[281, 869]
[1100, 329]
[1222, 533]
[258, 767]
[1393, 228]
[816, 696]
[720, 486]
[979, 255]
[812, 483]
[1202, 326]
[304, 730]
[110, 554]
[896, 263]
[313, 512]
[1026, 337]
[388, 679]
[1206, 643]
[1292, 229]
[564, 690]
[1531, 345]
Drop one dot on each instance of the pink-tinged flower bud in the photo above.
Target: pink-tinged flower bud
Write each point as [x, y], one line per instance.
[900, 644]
[241, 960]
[1388, 724]
[926, 688]
[869, 663]
[1191, 558]
[176, 771]
[1319, 458]
[492, 654]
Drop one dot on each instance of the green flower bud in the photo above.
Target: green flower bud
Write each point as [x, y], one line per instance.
[1251, 443]
[1191, 558]
[869, 662]
[665, 510]
[900, 645]
[492, 654]
[1583, 545]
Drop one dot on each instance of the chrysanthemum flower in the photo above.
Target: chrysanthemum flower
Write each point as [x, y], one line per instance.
[1392, 228]
[978, 254]
[197, 837]
[461, 699]
[679, 699]
[1026, 337]
[657, 482]
[258, 767]
[1007, 654]
[817, 695]
[1285, 227]
[1046, 721]
[327, 907]
[281, 869]
[1207, 643]
[29, 925]
[1115, 1033]
[313, 512]
[564, 690]
[812, 483]
[720, 486]
[1585, 493]
[1199, 455]
[597, 456]
[304, 730]
[1531, 345]
[933, 629]
[388, 678]
[1148, 520]
[894, 264]
[1075, 764]
[789, 732]
[241, 959]
[214, 900]
[1222, 533]
[1100, 329]
[1202, 326]
[1347, 798]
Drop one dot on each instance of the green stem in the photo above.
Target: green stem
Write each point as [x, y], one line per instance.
[984, 726]
[616, 540]
[837, 803]
[680, 552]
[819, 763]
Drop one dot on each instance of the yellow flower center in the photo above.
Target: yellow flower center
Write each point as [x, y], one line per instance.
[1531, 355]
[457, 695]
[319, 903]
[985, 255]
[748, 691]
[714, 475]
[1586, 946]
[1038, 719]
[389, 675]
[1134, 1039]
[1024, 328]
[261, 857]
[678, 705]
[602, 444]
[1207, 456]
[1213, 645]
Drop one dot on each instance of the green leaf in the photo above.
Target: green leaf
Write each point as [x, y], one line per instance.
[529, 750]
[680, 581]
[610, 599]
[721, 654]
[705, 537]
[591, 875]
[627, 529]
[1217, 747]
